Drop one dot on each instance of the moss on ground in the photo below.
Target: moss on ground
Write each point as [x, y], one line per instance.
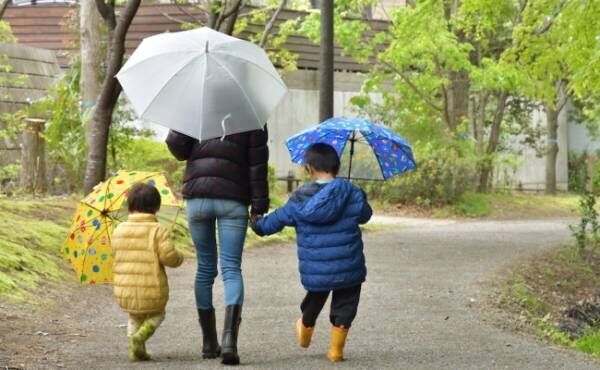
[31, 236]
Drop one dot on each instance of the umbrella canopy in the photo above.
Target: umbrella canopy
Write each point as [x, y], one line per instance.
[375, 152]
[88, 245]
[202, 83]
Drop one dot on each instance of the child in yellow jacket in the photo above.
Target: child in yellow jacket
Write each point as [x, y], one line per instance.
[142, 248]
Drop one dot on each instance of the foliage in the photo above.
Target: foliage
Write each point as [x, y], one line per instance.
[578, 172]
[65, 134]
[444, 175]
[586, 231]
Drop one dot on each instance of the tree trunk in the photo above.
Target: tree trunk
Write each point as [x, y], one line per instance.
[487, 165]
[326, 65]
[96, 161]
[480, 122]
[551, 148]
[33, 172]
[458, 98]
[91, 58]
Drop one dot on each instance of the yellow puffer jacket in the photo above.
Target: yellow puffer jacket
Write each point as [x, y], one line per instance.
[141, 249]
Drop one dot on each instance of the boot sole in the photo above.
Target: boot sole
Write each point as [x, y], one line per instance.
[230, 358]
[210, 356]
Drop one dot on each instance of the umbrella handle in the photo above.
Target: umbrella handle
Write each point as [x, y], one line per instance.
[224, 127]
[174, 223]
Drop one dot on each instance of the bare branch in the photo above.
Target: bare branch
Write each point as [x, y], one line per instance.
[412, 86]
[103, 9]
[176, 20]
[107, 11]
[234, 9]
[3, 6]
[271, 23]
[195, 18]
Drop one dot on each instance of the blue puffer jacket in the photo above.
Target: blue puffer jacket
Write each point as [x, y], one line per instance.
[330, 246]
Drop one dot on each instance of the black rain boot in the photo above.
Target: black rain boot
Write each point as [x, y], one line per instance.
[233, 318]
[210, 343]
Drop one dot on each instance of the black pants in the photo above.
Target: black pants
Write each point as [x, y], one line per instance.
[344, 304]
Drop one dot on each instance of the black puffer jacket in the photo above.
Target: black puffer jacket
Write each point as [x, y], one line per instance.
[234, 168]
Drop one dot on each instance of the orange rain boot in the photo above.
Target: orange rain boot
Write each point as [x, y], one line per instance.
[303, 333]
[338, 340]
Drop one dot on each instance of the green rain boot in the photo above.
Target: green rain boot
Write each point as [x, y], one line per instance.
[137, 343]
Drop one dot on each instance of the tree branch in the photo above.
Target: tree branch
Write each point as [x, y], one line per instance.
[271, 24]
[194, 18]
[550, 19]
[107, 11]
[412, 86]
[3, 6]
[563, 96]
[176, 20]
[496, 122]
[233, 10]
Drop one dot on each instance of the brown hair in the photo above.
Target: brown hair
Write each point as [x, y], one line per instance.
[143, 198]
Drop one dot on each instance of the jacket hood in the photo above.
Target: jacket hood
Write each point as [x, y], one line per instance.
[322, 203]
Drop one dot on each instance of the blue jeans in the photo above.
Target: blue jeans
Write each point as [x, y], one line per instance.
[231, 217]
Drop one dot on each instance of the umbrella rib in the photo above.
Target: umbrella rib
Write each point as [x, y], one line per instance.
[241, 88]
[276, 76]
[152, 57]
[121, 195]
[375, 154]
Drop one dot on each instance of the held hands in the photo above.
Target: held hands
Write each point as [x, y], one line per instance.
[253, 220]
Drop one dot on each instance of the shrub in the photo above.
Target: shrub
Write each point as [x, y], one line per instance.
[143, 154]
[442, 177]
[578, 172]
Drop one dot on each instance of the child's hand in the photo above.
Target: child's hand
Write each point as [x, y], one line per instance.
[254, 218]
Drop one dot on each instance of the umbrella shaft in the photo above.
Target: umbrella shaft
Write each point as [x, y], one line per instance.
[352, 140]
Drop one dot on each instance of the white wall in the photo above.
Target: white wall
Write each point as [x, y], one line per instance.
[530, 173]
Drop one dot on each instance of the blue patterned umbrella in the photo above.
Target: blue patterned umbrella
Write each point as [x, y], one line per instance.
[391, 152]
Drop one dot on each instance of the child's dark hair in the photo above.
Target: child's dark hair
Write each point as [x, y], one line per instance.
[323, 158]
[143, 198]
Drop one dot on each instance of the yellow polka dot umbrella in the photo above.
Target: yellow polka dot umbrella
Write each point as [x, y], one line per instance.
[88, 246]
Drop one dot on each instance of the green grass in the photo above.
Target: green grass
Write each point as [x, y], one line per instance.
[517, 294]
[510, 205]
[589, 343]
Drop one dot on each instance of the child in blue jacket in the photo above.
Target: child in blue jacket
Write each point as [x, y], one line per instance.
[326, 214]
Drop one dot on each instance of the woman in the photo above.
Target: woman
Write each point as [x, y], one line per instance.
[222, 178]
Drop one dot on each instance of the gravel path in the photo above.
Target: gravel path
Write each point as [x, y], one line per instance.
[415, 310]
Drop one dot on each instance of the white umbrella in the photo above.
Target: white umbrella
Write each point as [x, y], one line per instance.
[202, 83]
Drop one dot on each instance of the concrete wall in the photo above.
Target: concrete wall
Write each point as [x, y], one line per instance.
[530, 173]
[580, 139]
